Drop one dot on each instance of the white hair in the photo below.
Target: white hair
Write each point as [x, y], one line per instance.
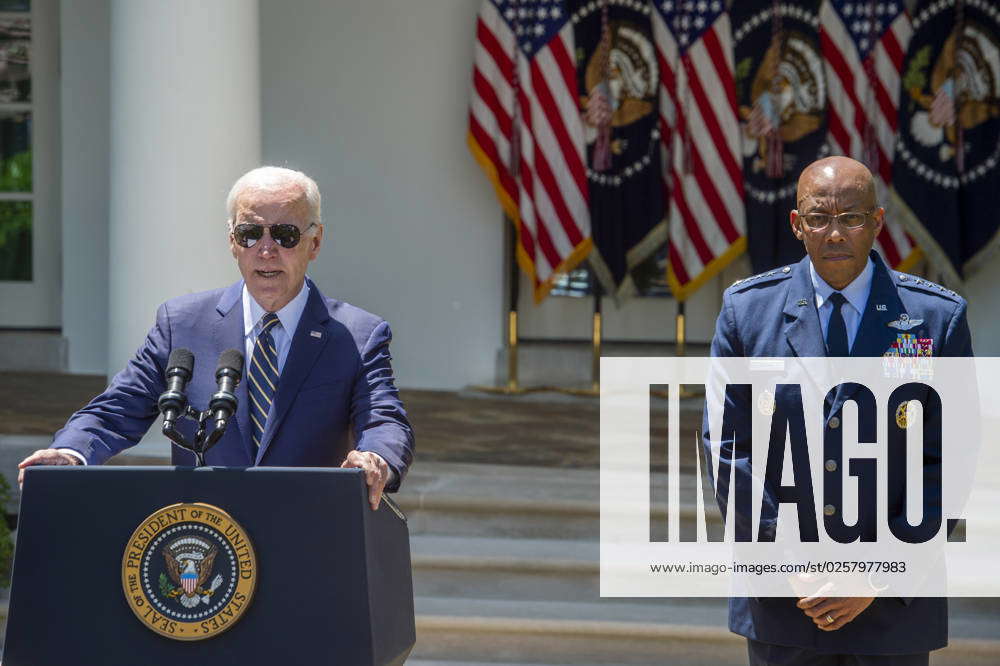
[274, 179]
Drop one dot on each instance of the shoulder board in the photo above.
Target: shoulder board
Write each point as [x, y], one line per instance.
[763, 278]
[920, 284]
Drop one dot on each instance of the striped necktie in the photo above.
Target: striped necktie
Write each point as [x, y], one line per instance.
[263, 374]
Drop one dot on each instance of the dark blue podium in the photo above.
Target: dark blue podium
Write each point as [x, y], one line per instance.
[166, 566]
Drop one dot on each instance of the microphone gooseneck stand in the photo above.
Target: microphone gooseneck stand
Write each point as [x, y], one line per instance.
[200, 445]
[173, 402]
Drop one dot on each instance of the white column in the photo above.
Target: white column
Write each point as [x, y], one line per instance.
[185, 124]
[84, 63]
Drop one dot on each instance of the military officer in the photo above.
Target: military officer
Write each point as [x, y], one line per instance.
[840, 300]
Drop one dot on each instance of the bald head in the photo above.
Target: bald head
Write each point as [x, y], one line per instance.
[836, 175]
[279, 182]
[831, 187]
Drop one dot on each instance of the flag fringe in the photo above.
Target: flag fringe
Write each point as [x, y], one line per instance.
[908, 263]
[650, 243]
[540, 289]
[930, 247]
[713, 268]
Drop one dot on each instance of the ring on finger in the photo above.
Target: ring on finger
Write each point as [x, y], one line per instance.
[829, 619]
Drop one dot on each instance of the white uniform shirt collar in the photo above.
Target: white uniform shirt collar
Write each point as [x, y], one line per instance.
[856, 292]
[288, 316]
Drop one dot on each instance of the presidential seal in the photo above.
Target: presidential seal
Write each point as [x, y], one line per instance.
[189, 571]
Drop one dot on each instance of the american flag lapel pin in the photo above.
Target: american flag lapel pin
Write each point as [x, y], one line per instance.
[316, 334]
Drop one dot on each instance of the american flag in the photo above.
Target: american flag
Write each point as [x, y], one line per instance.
[702, 167]
[863, 45]
[526, 132]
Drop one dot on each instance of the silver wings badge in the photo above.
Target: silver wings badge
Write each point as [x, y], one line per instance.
[904, 323]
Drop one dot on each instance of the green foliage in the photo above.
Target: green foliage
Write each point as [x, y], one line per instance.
[6, 542]
[15, 173]
[165, 586]
[743, 70]
[15, 240]
[916, 76]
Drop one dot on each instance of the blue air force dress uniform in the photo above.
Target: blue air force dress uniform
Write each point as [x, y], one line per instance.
[786, 312]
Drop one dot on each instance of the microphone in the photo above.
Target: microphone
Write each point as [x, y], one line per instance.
[227, 375]
[172, 402]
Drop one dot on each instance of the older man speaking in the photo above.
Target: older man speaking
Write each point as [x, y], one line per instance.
[840, 300]
[317, 369]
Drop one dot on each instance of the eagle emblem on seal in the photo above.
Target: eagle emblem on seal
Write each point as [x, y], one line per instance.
[189, 562]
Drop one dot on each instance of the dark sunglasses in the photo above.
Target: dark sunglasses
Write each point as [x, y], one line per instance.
[285, 235]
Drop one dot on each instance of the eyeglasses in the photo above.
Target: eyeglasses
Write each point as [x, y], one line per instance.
[285, 235]
[820, 221]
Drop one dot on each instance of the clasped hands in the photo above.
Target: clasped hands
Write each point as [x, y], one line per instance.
[821, 609]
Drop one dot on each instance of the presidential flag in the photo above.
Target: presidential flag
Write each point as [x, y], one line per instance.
[945, 174]
[618, 79]
[781, 89]
[863, 44]
[702, 179]
[526, 132]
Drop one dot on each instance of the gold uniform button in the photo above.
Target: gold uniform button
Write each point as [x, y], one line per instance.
[834, 422]
[829, 510]
[831, 465]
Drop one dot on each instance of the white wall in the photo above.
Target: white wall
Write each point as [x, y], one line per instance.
[984, 309]
[84, 86]
[370, 98]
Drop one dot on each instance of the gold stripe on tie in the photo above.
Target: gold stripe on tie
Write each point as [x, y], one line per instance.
[257, 404]
[263, 374]
[271, 365]
[256, 423]
[264, 354]
[262, 391]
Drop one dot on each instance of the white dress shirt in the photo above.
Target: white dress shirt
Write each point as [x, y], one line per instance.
[281, 333]
[856, 294]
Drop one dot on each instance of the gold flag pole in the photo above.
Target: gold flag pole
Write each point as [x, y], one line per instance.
[512, 386]
[595, 337]
[513, 283]
[596, 333]
[682, 343]
[681, 329]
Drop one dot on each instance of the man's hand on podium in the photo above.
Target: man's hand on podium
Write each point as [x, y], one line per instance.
[44, 457]
[376, 473]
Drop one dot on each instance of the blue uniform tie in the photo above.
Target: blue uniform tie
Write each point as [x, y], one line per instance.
[836, 332]
[263, 375]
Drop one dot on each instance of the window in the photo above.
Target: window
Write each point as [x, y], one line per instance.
[16, 187]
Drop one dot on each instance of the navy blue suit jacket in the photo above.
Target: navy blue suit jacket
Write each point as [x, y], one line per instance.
[762, 316]
[337, 382]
